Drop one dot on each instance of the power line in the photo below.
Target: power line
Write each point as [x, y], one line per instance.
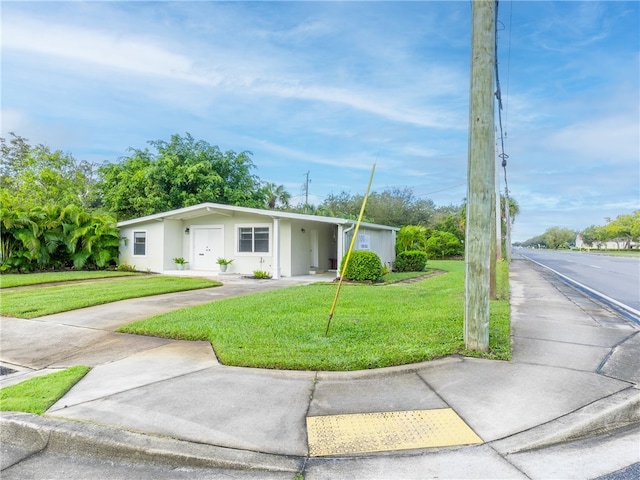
[442, 190]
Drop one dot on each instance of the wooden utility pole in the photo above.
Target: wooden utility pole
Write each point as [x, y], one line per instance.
[306, 188]
[507, 214]
[493, 256]
[480, 176]
[498, 216]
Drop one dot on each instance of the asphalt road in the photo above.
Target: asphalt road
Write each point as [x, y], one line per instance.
[615, 277]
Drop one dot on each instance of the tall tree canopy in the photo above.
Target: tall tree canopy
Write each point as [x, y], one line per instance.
[623, 230]
[179, 173]
[395, 207]
[35, 175]
[557, 237]
[276, 195]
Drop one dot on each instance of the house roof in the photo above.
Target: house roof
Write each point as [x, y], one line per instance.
[203, 209]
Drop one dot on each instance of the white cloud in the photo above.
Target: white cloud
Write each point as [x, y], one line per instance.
[614, 139]
[133, 54]
[237, 72]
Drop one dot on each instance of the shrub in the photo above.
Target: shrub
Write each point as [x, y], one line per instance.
[412, 237]
[125, 267]
[261, 274]
[46, 237]
[363, 266]
[444, 244]
[411, 261]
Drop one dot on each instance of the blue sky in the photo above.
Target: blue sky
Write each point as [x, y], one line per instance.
[332, 87]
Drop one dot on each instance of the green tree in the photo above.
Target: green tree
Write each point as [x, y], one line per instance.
[593, 236]
[394, 207]
[514, 210]
[443, 244]
[624, 229]
[276, 196]
[536, 242]
[180, 173]
[412, 237]
[35, 175]
[451, 223]
[556, 237]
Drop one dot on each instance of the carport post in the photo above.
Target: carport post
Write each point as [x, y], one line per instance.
[276, 248]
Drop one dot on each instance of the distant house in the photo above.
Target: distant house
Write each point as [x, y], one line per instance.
[624, 243]
[281, 243]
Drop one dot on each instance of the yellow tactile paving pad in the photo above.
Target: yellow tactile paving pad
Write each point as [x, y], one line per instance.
[387, 431]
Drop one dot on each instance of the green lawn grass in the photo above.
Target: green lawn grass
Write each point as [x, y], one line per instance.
[38, 301]
[8, 280]
[373, 325]
[394, 277]
[38, 394]
[617, 253]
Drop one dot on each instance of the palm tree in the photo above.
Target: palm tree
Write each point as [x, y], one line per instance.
[276, 196]
[411, 237]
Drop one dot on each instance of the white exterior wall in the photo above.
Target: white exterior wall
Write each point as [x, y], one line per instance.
[382, 242]
[174, 244]
[153, 260]
[167, 238]
[243, 263]
[301, 246]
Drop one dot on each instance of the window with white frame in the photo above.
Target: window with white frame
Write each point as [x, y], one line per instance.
[253, 239]
[139, 243]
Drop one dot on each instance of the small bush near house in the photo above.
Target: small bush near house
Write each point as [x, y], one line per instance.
[364, 266]
[261, 274]
[125, 267]
[411, 261]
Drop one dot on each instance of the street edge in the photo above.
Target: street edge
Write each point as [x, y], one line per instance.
[618, 411]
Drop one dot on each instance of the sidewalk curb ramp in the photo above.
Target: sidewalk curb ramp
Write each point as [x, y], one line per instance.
[602, 417]
[32, 434]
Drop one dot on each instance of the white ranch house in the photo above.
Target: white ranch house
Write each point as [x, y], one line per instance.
[281, 243]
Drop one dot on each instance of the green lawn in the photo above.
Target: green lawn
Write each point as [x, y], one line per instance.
[38, 394]
[42, 300]
[393, 277]
[617, 253]
[9, 280]
[373, 325]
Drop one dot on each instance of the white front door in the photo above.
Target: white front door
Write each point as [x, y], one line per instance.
[208, 246]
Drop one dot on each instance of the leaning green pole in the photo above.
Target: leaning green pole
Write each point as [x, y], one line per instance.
[353, 241]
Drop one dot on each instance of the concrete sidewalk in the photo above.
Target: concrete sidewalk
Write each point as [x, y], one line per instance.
[574, 375]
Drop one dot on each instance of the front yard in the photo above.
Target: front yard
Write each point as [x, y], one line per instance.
[38, 300]
[373, 325]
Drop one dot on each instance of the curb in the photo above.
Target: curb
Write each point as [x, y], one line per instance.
[34, 433]
[604, 416]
